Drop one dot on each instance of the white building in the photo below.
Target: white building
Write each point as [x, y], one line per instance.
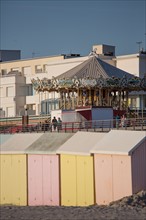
[135, 64]
[17, 93]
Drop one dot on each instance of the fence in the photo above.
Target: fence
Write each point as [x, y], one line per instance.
[94, 126]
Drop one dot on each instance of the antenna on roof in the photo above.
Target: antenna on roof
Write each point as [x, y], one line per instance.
[139, 43]
[34, 53]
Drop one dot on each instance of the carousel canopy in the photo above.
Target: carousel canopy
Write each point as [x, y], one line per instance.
[94, 68]
[92, 73]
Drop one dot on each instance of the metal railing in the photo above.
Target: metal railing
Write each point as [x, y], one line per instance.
[92, 126]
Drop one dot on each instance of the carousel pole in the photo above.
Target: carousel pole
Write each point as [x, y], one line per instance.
[90, 99]
[60, 100]
[120, 100]
[78, 98]
[73, 101]
[127, 93]
[64, 98]
[81, 97]
[95, 97]
[100, 96]
[108, 97]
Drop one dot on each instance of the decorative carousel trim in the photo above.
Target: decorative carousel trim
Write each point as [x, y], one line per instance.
[134, 83]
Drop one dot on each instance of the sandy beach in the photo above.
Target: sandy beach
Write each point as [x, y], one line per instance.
[128, 208]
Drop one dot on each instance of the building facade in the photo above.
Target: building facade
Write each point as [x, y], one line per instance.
[135, 64]
[17, 93]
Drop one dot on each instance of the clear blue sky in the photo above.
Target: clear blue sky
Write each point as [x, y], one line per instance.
[56, 27]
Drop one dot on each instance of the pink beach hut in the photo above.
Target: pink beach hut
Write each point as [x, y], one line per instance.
[43, 169]
[13, 169]
[120, 165]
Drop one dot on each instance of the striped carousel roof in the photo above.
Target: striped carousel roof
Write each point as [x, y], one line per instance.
[92, 73]
[94, 68]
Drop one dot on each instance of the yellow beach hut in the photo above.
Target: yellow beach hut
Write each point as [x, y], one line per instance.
[76, 169]
[13, 167]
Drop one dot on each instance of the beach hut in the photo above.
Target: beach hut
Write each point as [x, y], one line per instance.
[120, 165]
[76, 167]
[13, 167]
[43, 169]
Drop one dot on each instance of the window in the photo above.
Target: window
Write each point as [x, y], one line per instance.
[25, 90]
[10, 111]
[15, 69]
[26, 70]
[29, 90]
[10, 91]
[4, 72]
[1, 91]
[38, 69]
[45, 68]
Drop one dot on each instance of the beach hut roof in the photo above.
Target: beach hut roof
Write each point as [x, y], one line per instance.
[81, 143]
[4, 138]
[120, 142]
[48, 143]
[18, 143]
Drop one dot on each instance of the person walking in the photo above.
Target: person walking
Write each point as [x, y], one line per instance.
[123, 121]
[54, 123]
[59, 124]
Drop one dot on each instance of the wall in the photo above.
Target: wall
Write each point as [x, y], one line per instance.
[113, 178]
[13, 180]
[43, 180]
[142, 65]
[139, 168]
[129, 63]
[28, 63]
[77, 187]
[12, 96]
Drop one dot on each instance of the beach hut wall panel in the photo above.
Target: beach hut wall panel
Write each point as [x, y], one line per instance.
[112, 177]
[76, 169]
[77, 182]
[13, 181]
[43, 169]
[13, 167]
[43, 180]
[120, 165]
[138, 162]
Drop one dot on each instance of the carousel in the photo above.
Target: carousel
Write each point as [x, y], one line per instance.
[93, 83]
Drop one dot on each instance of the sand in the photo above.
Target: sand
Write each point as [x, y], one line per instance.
[128, 208]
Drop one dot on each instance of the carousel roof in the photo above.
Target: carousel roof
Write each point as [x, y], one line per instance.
[92, 73]
[94, 68]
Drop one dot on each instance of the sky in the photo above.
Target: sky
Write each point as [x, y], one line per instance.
[53, 27]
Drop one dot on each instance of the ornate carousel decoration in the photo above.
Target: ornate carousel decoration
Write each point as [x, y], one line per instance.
[92, 83]
[131, 84]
